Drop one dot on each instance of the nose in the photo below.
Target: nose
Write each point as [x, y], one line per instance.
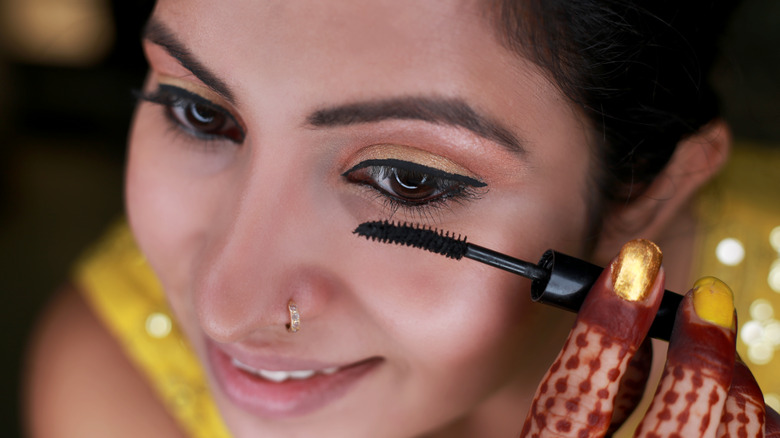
[268, 246]
[231, 309]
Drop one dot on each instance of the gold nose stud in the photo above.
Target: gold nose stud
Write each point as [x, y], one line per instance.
[295, 317]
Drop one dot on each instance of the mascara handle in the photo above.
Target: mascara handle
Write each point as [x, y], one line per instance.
[570, 281]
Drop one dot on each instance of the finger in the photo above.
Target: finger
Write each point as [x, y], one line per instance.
[632, 385]
[743, 414]
[692, 391]
[577, 394]
[772, 426]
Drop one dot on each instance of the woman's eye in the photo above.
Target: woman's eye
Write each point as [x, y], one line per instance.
[200, 118]
[409, 185]
[195, 115]
[412, 184]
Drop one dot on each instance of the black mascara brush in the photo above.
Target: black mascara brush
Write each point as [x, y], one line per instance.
[558, 279]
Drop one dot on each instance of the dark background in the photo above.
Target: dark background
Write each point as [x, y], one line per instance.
[64, 115]
[63, 127]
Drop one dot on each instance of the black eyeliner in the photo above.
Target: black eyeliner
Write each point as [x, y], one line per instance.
[170, 95]
[415, 167]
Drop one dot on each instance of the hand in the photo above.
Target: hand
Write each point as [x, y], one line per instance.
[600, 375]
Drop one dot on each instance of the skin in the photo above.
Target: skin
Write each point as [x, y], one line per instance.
[211, 204]
[705, 389]
[236, 230]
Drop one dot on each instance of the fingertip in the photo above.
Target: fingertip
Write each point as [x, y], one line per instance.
[635, 270]
[624, 300]
[713, 302]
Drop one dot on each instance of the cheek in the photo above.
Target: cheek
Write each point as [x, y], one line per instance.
[166, 210]
[463, 330]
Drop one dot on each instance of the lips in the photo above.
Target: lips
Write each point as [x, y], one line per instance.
[272, 388]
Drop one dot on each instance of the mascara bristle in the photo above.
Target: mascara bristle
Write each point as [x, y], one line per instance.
[416, 236]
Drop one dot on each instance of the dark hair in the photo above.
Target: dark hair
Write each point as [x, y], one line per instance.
[638, 69]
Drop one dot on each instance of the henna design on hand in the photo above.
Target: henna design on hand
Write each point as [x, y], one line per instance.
[743, 415]
[600, 374]
[632, 385]
[578, 393]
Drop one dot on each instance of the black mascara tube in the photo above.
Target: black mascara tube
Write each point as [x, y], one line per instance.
[558, 279]
[569, 279]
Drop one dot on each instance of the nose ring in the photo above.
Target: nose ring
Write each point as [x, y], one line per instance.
[295, 317]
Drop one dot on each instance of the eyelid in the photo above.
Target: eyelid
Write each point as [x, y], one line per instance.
[184, 94]
[415, 167]
[171, 95]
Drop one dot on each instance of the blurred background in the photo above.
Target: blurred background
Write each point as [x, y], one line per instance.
[67, 68]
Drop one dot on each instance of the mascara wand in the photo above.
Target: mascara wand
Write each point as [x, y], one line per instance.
[558, 279]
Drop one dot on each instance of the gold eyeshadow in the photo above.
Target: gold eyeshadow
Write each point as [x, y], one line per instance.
[412, 155]
[200, 90]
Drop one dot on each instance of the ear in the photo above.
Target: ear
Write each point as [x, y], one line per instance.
[665, 205]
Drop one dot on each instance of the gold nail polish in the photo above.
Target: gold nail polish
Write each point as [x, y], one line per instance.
[713, 301]
[635, 269]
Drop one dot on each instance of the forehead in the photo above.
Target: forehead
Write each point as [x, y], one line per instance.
[445, 41]
[333, 21]
[285, 58]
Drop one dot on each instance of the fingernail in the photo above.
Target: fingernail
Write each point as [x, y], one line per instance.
[635, 269]
[713, 301]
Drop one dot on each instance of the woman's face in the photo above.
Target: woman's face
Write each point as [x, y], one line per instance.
[274, 129]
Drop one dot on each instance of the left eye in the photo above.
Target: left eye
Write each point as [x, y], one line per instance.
[196, 115]
[201, 118]
[410, 183]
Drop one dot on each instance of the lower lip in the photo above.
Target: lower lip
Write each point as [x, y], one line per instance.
[289, 398]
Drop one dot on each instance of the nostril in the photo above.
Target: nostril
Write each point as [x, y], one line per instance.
[308, 289]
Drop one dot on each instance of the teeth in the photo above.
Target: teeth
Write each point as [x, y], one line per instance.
[281, 376]
[301, 374]
[241, 366]
[274, 376]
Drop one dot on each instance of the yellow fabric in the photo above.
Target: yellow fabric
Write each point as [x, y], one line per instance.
[743, 204]
[124, 292]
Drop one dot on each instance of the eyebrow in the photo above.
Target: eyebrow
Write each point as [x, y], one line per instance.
[437, 110]
[157, 33]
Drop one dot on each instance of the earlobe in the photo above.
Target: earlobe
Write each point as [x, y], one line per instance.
[666, 201]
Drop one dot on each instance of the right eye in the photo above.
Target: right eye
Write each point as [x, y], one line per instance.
[412, 185]
[196, 115]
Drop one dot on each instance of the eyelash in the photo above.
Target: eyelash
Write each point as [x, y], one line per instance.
[447, 187]
[192, 108]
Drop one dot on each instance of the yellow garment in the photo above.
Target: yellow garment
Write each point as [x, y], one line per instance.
[743, 203]
[123, 291]
[739, 242]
